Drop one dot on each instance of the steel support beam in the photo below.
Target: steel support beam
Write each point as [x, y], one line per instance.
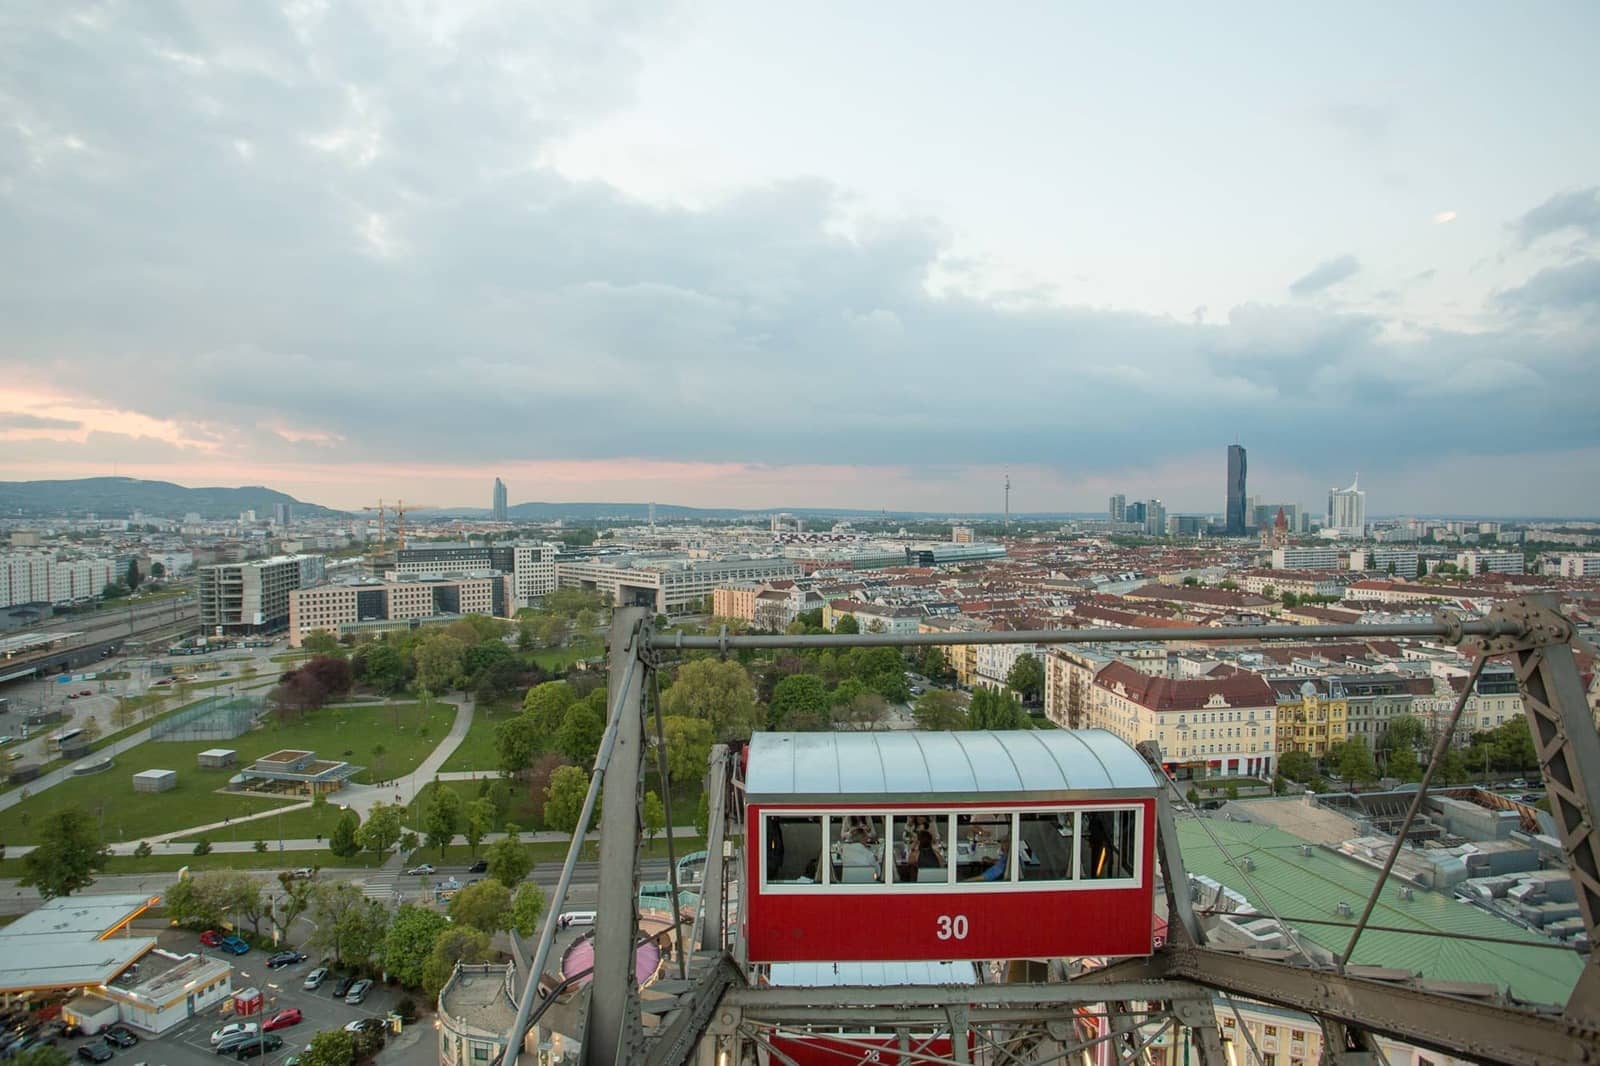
[613, 1035]
[1451, 631]
[711, 895]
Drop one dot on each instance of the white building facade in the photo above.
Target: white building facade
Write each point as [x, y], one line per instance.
[1347, 510]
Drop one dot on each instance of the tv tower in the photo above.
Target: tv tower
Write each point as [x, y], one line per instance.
[1006, 524]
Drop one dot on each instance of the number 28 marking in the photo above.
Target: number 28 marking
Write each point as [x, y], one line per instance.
[952, 927]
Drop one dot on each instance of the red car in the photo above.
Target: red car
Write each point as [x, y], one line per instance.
[86, 692]
[283, 1019]
[211, 938]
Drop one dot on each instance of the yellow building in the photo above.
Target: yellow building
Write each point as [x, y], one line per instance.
[1309, 720]
[963, 658]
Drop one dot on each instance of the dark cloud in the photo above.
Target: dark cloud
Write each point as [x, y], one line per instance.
[285, 231]
[1577, 210]
[1327, 273]
[1573, 287]
[18, 420]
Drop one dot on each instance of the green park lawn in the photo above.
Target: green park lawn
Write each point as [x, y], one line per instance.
[557, 660]
[477, 750]
[333, 733]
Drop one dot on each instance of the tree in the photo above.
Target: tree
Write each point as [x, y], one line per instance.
[158, 570]
[143, 851]
[480, 819]
[385, 669]
[454, 945]
[509, 861]
[1026, 678]
[1297, 766]
[294, 902]
[702, 815]
[1452, 770]
[331, 1047]
[381, 830]
[1355, 761]
[993, 709]
[133, 577]
[579, 736]
[935, 666]
[1422, 568]
[444, 818]
[846, 623]
[1403, 765]
[439, 663]
[321, 642]
[527, 904]
[91, 729]
[499, 679]
[689, 743]
[546, 706]
[939, 709]
[1405, 731]
[719, 692]
[799, 701]
[348, 924]
[867, 711]
[68, 855]
[343, 841]
[654, 816]
[409, 941]
[516, 740]
[482, 906]
[124, 714]
[40, 1055]
[569, 786]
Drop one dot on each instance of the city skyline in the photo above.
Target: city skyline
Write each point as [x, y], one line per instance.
[864, 280]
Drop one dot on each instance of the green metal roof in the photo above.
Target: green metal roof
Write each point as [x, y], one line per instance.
[1297, 885]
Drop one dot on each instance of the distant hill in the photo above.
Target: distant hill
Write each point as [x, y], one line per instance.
[119, 497]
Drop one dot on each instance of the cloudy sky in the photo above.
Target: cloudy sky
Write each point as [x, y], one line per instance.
[805, 255]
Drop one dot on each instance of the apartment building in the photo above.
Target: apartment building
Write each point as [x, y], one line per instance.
[1402, 562]
[872, 617]
[1375, 700]
[670, 585]
[1579, 564]
[1491, 562]
[41, 577]
[240, 599]
[1310, 718]
[963, 658]
[996, 660]
[1068, 673]
[1306, 557]
[1299, 582]
[1218, 725]
[1494, 701]
[367, 604]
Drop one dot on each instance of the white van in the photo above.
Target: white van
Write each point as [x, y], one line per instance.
[570, 918]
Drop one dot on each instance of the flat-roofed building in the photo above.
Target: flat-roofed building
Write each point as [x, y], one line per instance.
[240, 599]
[293, 770]
[366, 602]
[72, 942]
[1491, 562]
[1306, 557]
[670, 585]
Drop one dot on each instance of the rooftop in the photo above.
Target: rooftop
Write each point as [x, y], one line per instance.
[476, 996]
[69, 942]
[1312, 886]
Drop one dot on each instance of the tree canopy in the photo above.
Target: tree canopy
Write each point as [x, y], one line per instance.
[939, 709]
[68, 854]
[485, 905]
[719, 692]
[409, 941]
[564, 798]
[1026, 678]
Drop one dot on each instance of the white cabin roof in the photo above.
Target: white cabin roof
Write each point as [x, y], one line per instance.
[870, 974]
[788, 766]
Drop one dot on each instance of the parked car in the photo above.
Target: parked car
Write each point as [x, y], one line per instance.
[362, 1025]
[342, 988]
[86, 692]
[358, 991]
[230, 1045]
[250, 1048]
[302, 873]
[210, 938]
[481, 866]
[285, 958]
[98, 1051]
[420, 871]
[120, 1036]
[234, 946]
[283, 1019]
[231, 1030]
[315, 978]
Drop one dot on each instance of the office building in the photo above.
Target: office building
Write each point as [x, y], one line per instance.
[1155, 518]
[241, 599]
[280, 516]
[1488, 562]
[500, 509]
[961, 535]
[1119, 506]
[1133, 513]
[1402, 562]
[669, 585]
[1347, 510]
[531, 564]
[1237, 469]
[367, 604]
[1305, 557]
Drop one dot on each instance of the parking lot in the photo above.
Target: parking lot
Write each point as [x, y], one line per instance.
[189, 1044]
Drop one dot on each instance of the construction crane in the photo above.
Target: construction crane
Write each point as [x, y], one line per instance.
[400, 509]
[379, 509]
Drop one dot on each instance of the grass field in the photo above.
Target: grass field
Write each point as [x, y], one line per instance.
[175, 858]
[556, 660]
[333, 733]
[477, 747]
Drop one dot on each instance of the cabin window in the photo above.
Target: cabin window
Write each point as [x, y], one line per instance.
[984, 849]
[855, 848]
[794, 849]
[919, 843]
[1109, 845]
[1048, 839]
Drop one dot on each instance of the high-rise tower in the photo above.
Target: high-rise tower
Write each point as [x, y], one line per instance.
[499, 508]
[1237, 519]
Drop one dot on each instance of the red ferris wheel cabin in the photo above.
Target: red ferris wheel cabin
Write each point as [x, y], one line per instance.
[905, 846]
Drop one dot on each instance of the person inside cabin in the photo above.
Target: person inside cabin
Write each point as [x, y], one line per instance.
[929, 863]
[858, 863]
[1000, 869]
[810, 876]
[774, 848]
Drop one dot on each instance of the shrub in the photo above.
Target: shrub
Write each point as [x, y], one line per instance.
[143, 850]
[260, 846]
[203, 847]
